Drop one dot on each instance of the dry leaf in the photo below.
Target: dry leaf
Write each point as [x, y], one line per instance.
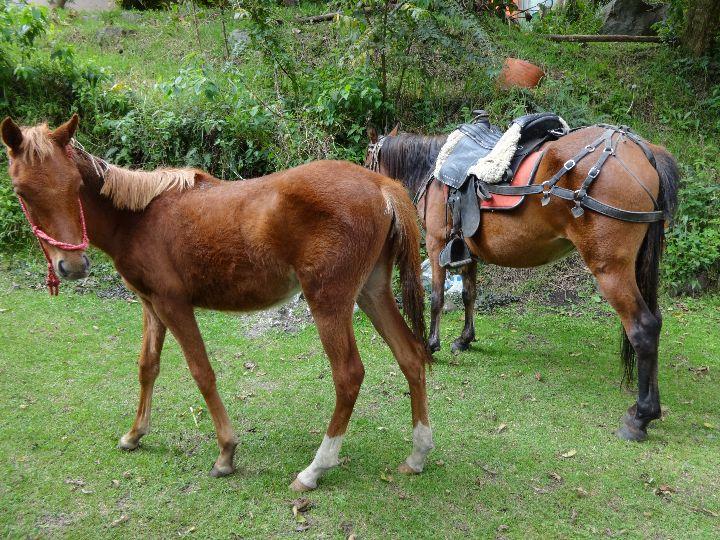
[121, 519]
[75, 482]
[664, 490]
[708, 425]
[501, 428]
[538, 376]
[568, 454]
[115, 483]
[250, 365]
[581, 491]
[555, 476]
[303, 504]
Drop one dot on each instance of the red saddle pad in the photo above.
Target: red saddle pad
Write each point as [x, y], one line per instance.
[524, 176]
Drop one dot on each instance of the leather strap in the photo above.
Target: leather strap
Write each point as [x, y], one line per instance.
[580, 197]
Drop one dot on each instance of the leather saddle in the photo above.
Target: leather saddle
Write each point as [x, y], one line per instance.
[479, 138]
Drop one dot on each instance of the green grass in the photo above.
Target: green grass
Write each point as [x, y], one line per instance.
[68, 378]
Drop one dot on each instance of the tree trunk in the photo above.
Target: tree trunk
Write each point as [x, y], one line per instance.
[701, 26]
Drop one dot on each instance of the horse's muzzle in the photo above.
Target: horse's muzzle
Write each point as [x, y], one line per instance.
[75, 268]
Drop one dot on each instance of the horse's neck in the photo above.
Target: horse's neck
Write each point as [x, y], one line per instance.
[103, 220]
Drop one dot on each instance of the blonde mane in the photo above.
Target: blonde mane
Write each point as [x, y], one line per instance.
[134, 190]
[36, 143]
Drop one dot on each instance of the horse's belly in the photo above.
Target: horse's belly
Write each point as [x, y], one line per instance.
[246, 291]
[518, 251]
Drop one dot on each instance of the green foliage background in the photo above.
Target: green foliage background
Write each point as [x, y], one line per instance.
[172, 92]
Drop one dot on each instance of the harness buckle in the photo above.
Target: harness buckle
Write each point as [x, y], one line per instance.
[546, 193]
[594, 172]
[590, 148]
[569, 164]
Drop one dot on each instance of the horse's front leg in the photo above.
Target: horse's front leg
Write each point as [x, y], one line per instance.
[179, 317]
[469, 277]
[149, 367]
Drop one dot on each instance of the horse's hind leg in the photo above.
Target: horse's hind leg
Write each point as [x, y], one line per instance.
[149, 367]
[377, 301]
[334, 324]
[469, 294]
[618, 285]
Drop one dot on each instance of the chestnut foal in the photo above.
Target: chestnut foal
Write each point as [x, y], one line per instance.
[181, 238]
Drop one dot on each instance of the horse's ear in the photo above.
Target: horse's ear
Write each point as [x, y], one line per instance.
[64, 133]
[11, 134]
[372, 134]
[394, 131]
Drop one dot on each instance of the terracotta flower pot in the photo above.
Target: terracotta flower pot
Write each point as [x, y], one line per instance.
[519, 73]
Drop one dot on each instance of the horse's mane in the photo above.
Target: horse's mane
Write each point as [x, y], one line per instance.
[411, 158]
[134, 190]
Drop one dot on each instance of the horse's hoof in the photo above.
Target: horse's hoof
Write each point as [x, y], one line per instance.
[128, 445]
[459, 346]
[434, 346]
[298, 486]
[404, 468]
[219, 472]
[630, 433]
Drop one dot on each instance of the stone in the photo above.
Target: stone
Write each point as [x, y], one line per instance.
[632, 17]
[112, 33]
[238, 40]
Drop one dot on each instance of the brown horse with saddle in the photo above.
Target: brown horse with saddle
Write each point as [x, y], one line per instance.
[533, 194]
[181, 239]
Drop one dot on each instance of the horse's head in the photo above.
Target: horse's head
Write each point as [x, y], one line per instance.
[47, 182]
[372, 155]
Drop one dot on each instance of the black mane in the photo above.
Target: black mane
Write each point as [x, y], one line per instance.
[410, 158]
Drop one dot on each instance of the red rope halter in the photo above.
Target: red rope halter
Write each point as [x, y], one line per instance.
[52, 281]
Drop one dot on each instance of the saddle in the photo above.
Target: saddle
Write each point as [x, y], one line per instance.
[478, 155]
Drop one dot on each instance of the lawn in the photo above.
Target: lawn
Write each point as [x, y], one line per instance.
[540, 383]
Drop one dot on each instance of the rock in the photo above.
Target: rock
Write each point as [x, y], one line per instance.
[632, 17]
[131, 16]
[112, 33]
[453, 302]
[238, 40]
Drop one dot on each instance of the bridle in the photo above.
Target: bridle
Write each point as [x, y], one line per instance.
[374, 151]
[52, 281]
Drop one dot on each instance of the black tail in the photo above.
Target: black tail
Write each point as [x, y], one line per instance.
[647, 266]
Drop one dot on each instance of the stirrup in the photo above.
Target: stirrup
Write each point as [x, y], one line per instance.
[455, 254]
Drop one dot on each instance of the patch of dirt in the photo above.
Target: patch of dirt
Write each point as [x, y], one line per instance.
[560, 283]
[56, 522]
[289, 318]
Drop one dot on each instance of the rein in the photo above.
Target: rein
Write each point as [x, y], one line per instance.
[52, 281]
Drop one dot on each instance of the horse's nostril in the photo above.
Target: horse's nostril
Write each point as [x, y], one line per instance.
[61, 267]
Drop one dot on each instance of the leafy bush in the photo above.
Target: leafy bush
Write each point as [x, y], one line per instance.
[574, 17]
[692, 260]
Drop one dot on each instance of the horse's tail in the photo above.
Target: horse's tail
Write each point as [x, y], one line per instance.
[406, 239]
[647, 265]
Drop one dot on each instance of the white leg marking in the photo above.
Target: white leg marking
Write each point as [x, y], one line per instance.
[422, 444]
[325, 458]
